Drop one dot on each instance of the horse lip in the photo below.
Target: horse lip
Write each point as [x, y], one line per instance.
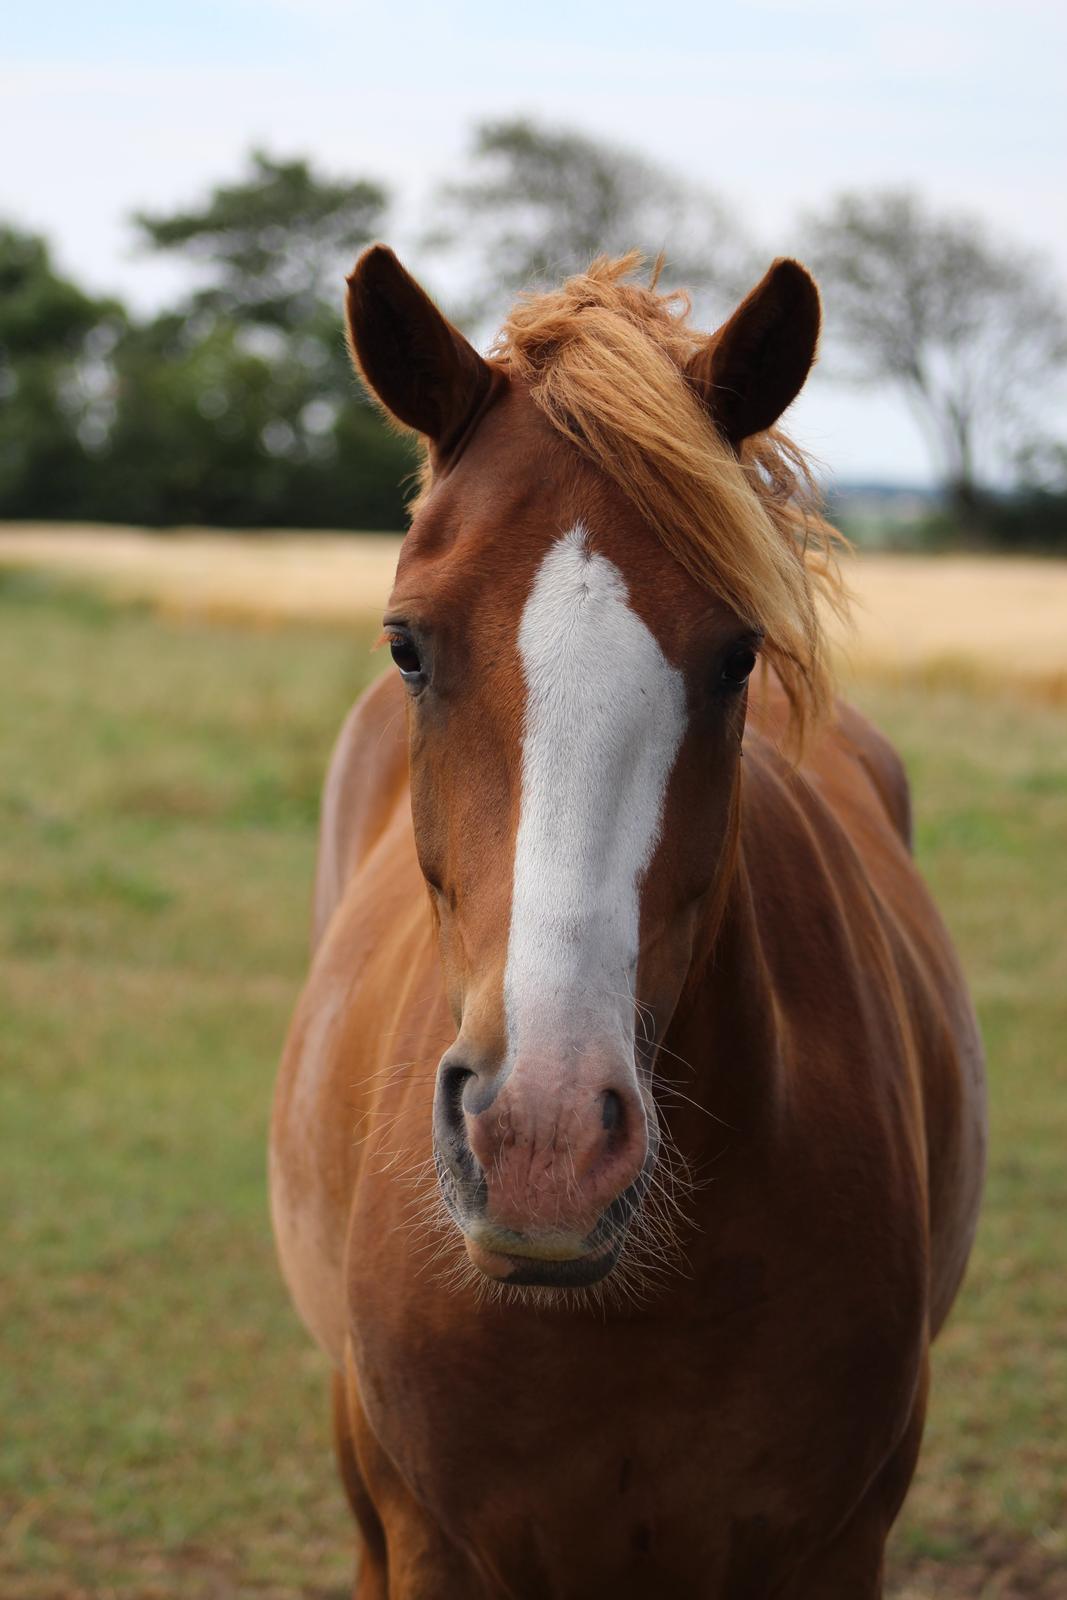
[560, 1261]
[490, 1240]
[545, 1271]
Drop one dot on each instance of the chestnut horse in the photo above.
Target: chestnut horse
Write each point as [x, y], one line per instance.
[628, 1142]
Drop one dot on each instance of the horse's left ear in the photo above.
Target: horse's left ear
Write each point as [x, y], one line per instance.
[756, 364]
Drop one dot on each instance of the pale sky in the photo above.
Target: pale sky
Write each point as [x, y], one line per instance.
[773, 104]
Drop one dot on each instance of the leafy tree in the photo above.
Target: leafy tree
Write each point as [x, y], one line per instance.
[971, 332]
[207, 430]
[48, 330]
[254, 405]
[186, 442]
[277, 243]
[542, 202]
[238, 408]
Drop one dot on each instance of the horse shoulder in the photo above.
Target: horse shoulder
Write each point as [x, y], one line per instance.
[320, 1097]
[869, 762]
[847, 814]
[944, 1028]
[366, 778]
[882, 764]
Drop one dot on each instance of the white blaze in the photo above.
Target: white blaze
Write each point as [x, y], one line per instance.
[605, 715]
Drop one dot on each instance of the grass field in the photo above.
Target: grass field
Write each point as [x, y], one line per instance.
[163, 1420]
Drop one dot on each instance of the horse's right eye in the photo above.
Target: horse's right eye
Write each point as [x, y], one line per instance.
[738, 667]
[403, 650]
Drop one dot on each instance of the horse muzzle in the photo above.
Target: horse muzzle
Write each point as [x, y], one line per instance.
[542, 1168]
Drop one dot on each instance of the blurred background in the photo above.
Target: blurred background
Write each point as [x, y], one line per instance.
[199, 518]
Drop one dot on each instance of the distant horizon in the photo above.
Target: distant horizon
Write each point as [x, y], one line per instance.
[774, 107]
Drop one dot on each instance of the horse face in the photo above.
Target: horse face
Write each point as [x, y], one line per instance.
[575, 712]
[576, 709]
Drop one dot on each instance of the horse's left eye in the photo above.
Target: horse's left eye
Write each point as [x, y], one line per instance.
[403, 651]
[738, 666]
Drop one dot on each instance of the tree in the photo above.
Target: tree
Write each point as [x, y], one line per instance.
[206, 430]
[238, 407]
[543, 202]
[277, 243]
[52, 338]
[249, 394]
[971, 331]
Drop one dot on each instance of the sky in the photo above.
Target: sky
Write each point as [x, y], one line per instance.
[774, 105]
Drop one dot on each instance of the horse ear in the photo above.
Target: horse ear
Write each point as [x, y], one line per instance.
[756, 364]
[421, 368]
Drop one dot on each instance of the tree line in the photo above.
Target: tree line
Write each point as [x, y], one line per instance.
[237, 406]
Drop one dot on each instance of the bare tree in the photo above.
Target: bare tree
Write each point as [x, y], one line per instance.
[543, 202]
[971, 331]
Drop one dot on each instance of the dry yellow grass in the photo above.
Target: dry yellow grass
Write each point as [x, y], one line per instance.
[960, 617]
[954, 619]
[261, 577]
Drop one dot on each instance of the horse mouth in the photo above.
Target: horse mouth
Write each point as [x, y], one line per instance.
[553, 1261]
[527, 1267]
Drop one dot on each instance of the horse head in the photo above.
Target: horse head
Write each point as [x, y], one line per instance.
[598, 556]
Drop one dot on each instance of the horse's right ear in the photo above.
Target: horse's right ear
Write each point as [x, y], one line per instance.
[421, 368]
[755, 366]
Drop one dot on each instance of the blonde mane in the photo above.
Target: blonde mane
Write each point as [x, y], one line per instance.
[603, 357]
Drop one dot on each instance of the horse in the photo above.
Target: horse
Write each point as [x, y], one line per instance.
[628, 1140]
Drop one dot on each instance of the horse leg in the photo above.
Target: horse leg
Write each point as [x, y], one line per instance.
[415, 1561]
[853, 1564]
[371, 1573]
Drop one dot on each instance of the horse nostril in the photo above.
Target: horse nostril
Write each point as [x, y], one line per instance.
[451, 1144]
[611, 1112]
[453, 1083]
[448, 1110]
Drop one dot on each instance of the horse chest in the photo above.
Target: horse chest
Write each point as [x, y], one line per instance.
[649, 1448]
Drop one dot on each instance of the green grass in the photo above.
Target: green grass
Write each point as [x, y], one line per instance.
[989, 1505]
[164, 1420]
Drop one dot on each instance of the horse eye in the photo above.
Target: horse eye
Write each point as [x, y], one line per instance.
[403, 651]
[739, 664]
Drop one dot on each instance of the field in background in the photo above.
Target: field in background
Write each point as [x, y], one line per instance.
[958, 620]
[164, 1418]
